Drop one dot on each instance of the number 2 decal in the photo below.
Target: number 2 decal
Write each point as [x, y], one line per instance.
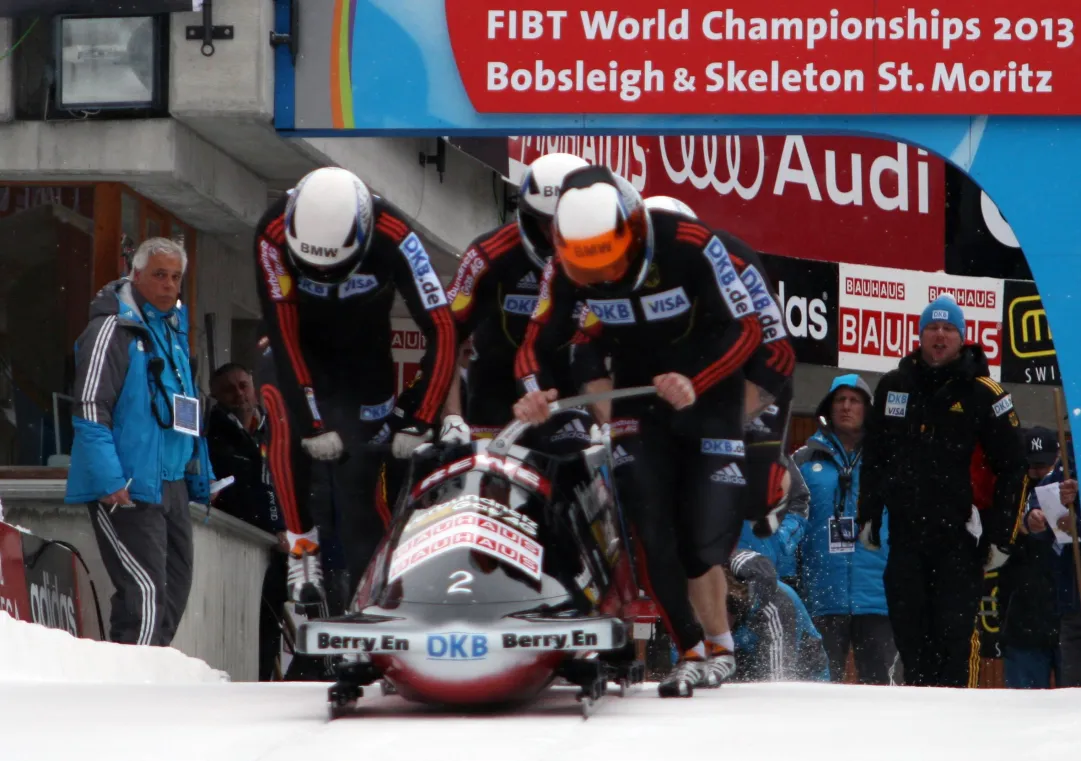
[458, 587]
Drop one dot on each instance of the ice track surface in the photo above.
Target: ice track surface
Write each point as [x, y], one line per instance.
[288, 722]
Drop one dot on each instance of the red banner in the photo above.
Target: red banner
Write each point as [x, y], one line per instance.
[14, 599]
[839, 199]
[769, 57]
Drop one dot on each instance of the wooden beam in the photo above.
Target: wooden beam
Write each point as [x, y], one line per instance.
[107, 231]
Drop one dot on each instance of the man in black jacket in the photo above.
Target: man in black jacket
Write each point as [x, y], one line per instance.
[932, 417]
[237, 435]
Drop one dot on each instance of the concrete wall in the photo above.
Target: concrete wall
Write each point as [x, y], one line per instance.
[221, 622]
[7, 90]
[160, 158]
[226, 288]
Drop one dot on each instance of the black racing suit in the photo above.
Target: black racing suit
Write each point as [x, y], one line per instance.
[693, 315]
[770, 368]
[922, 433]
[492, 297]
[330, 369]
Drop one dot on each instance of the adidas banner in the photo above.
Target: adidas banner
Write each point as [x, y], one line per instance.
[807, 290]
[97, 7]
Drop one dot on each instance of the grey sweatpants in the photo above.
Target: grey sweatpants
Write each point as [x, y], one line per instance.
[147, 550]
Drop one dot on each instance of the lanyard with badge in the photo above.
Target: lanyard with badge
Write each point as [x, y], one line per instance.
[843, 527]
[185, 409]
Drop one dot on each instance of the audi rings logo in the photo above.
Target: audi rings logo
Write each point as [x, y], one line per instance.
[710, 149]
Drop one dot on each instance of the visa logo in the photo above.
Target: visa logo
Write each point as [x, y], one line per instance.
[666, 304]
[517, 304]
[612, 311]
[357, 285]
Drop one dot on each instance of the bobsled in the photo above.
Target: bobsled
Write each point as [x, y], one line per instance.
[506, 566]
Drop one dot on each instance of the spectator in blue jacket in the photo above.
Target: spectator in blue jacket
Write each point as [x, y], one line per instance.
[842, 579]
[781, 546]
[138, 455]
[774, 635]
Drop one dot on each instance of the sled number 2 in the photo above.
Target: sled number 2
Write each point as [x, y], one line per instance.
[459, 587]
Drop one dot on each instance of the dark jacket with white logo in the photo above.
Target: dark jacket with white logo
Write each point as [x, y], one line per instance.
[922, 433]
[238, 452]
[693, 316]
[492, 297]
[334, 342]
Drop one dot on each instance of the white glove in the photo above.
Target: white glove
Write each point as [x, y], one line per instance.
[405, 442]
[974, 525]
[325, 446]
[598, 434]
[454, 430]
[996, 558]
[865, 537]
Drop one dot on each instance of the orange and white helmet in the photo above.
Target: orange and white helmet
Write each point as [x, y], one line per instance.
[668, 203]
[537, 197]
[602, 232]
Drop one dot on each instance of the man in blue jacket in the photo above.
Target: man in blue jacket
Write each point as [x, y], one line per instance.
[842, 579]
[139, 455]
[775, 638]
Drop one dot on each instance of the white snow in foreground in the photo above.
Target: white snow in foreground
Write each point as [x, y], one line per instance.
[788, 722]
[60, 695]
[34, 653]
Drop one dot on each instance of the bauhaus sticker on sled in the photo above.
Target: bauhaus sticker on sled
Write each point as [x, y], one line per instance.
[472, 531]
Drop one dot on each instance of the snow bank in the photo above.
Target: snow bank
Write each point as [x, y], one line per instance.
[34, 653]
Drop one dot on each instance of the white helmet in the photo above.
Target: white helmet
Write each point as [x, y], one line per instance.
[328, 224]
[537, 202]
[668, 203]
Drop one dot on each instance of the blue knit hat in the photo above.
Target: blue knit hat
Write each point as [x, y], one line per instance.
[853, 381]
[944, 309]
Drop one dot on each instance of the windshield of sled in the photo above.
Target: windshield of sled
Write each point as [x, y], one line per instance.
[473, 533]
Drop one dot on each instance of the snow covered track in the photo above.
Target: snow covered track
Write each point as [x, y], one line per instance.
[286, 722]
[62, 698]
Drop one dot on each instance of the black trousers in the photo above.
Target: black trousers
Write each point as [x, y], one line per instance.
[147, 551]
[766, 442]
[350, 500]
[683, 495]
[271, 616]
[870, 638]
[933, 589]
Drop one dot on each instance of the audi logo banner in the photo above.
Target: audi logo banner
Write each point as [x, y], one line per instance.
[837, 199]
[96, 7]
